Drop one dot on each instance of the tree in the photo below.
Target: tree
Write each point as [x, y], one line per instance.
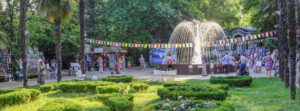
[293, 45]
[22, 42]
[57, 11]
[82, 34]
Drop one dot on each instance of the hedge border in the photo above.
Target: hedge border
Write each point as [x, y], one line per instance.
[61, 105]
[18, 97]
[118, 79]
[70, 87]
[239, 81]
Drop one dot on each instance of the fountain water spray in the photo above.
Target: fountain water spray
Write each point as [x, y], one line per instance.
[195, 32]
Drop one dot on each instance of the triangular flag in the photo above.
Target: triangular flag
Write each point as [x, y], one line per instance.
[271, 33]
[123, 44]
[231, 40]
[173, 45]
[179, 45]
[224, 42]
[139, 45]
[152, 45]
[251, 37]
[145, 46]
[165, 45]
[135, 45]
[194, 44]
[263, 34]
[142, 45]
[183, 45]
[259, 36]
[101, 42]
[176, 45]
[267, 34]
[275, 32]
[247, 38]
[202, 45]
[243, 38]
[132, 45]
[120, 44]
[254, 37]
[149, 45]
[155, 45]
[169, 45]
[239, 39]
[126, 44]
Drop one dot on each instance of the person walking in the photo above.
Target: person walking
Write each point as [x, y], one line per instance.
[226, 60]
[41, 75]
[268, 64]
[243, 61]
[100, 64]
[170, 63]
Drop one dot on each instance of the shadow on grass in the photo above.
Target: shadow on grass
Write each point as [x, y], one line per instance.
[60, 94]
[97, 109]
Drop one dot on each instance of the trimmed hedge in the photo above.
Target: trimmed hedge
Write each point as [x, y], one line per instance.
[104, 97]
[49, 87]
[117, 101]
[118, 79]
[170, 84]
[4, 91]
[192, 92]
[111, 89]
[61, 105]
[18, 97]
[71, 87]
[139, 87]
[199, 105]
[239, 81]
[218, 86]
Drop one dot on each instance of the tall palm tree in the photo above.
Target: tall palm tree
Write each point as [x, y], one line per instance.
[82, 33]
[22, 42]
[293, 44]
[57, 11]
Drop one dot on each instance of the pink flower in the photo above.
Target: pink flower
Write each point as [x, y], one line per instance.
[182, 106]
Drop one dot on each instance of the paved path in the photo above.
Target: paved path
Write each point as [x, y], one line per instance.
[147, 73]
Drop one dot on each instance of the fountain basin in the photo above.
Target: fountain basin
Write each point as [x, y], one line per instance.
[192, 69]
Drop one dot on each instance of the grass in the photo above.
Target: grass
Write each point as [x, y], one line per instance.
[264, 94]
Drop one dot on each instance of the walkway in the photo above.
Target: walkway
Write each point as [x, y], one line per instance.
[147, 73]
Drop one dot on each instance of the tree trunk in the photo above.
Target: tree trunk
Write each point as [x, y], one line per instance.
[58, 48]
[82, 32]
[22, 28]
[298, 47]
[279, 36]
[293, 43]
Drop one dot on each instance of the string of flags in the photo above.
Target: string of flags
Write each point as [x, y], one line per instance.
[258, 38]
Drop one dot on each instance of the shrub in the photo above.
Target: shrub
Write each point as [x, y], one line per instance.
[49, 87]
[118, 79]
[104, 97]
[170, 84]
[130, 91]
[220, 86]
[61, 105]
[18, 97]
[239, 81]
[81, 86]
[4, 91]
[110, 89]
[197, 105]
[139, 87]
[192, 92]
[120, 104]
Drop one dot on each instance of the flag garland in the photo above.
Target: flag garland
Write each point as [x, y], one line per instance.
[257, 38]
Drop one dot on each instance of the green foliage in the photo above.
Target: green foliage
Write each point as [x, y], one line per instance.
[4, 91]
[49, 87]
[70, 87]
[239, 81]
[198, 105]
[105, 97]
[120, 104]
[111, 89]
[18, 97]
[118, 79]
[218, 86]
[131, 91]
[192, 92]
[61, 105]
[139, 87]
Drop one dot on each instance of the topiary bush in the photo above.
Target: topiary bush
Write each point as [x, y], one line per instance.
[219, 86]
[239, 81]
[71, 87]
[61, 105]
[111, 89]
[192, 92]
[18, 97]
[170, 84]
[195, 105]
[49, 87]
[118, 79]
[139, 87]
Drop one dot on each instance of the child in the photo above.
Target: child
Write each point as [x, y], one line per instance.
[258, 65]
[277, 67]
[117, 67]
[128, 65]
[219, 67]
[254, 67]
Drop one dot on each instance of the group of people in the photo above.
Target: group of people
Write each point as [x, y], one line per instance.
[252, 61]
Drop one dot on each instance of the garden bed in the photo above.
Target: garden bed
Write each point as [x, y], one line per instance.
[239, 81]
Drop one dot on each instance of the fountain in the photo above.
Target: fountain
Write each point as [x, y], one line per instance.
[195, 32]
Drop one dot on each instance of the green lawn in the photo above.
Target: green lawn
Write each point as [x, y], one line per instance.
[265, 94]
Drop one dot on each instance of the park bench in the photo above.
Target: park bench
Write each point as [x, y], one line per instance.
[171, 73]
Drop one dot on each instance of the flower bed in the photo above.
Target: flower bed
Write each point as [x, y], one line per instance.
[85, 86]
[118, 79]
[187, 105]
[239, 81]
[61, 105]
[18, 97]
[192, 92]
